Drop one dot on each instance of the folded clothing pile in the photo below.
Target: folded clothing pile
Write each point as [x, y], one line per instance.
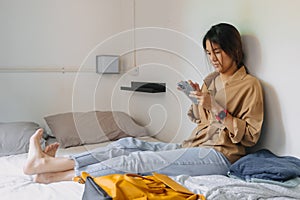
[265, 165]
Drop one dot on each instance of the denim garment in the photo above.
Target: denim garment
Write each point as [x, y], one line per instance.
[263, 164]
[131, 155]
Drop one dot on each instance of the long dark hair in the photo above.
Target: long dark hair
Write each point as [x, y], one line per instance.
[229, 39]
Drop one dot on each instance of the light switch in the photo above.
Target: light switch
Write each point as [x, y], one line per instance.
[107, 64]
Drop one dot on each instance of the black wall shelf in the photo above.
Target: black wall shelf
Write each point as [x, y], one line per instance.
[148, 87]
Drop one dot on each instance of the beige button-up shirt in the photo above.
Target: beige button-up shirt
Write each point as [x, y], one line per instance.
[242, 97]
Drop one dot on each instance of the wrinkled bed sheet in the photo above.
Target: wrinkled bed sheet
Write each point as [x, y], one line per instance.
[217, 187]
[14, 185]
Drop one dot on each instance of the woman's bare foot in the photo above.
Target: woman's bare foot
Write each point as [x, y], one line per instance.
[44, 164]
[35, 153]
[51, 149]
[51, 177]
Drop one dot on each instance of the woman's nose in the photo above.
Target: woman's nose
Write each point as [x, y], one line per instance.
[213, 57]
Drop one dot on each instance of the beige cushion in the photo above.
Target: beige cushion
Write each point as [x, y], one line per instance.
[78, 128]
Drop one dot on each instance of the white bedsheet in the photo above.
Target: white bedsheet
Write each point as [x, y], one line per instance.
[14, 185]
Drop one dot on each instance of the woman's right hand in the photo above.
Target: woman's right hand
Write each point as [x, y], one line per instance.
[204, 99]
[195, 85]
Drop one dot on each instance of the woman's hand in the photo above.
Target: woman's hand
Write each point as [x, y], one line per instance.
[194, 85]
[205, 99]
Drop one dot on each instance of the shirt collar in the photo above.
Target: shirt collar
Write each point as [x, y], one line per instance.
[239, 74]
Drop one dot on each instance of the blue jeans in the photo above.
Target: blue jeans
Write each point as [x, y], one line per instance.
[130, 155]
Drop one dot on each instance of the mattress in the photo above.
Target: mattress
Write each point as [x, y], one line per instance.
[15, 185]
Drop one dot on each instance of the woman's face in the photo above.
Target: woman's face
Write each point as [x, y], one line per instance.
[218, 58]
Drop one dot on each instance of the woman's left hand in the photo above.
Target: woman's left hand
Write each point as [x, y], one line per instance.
[206, 100]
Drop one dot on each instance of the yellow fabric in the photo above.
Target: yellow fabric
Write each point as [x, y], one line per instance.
[242, 96]
[135, 187]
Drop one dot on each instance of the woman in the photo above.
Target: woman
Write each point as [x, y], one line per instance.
[229, 116]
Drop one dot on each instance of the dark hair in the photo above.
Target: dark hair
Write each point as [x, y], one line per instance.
[229, 39]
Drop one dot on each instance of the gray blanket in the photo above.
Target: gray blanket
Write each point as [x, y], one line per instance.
[217, 187]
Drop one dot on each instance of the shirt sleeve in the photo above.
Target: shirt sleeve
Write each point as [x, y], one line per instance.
[193, 114]
[246, 127]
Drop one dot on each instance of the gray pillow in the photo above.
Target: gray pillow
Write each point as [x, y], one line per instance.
[78, 128]
[14, 137]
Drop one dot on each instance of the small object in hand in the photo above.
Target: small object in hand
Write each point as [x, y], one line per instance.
[187, 88]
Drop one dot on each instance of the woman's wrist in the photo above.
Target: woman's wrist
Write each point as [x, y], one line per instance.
[195, 108]
[216, 108]
[220, 116]
[219, 112]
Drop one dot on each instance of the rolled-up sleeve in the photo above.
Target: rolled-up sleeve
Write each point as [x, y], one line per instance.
[239, 127]
[246, 127]
[193, 114]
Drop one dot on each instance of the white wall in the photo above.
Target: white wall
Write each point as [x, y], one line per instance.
[271, 37]
[55, 34]
[70, 33]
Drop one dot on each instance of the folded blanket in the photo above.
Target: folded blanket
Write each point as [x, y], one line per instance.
[263, 164]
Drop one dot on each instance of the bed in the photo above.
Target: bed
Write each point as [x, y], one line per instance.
[15, 185]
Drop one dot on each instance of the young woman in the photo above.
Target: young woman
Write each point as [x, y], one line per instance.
[229, 117]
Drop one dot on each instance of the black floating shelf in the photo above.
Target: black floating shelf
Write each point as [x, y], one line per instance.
[148, 87]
